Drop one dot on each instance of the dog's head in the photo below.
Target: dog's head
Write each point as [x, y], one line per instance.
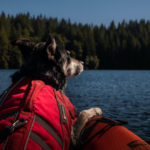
[48, 61]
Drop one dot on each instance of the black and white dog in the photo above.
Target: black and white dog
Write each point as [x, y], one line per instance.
[48, 62]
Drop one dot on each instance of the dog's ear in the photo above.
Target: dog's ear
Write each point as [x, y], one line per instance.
[26, 46]
[51, 47]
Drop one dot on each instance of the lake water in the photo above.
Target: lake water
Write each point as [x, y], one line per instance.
[123, 95]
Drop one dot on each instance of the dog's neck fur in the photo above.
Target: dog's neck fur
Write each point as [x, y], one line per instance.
[54, 78]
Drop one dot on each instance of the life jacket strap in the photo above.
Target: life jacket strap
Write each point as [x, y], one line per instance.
[62, 114]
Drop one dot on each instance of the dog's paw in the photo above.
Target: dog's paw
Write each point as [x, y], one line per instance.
[83, 118]
[89, 113]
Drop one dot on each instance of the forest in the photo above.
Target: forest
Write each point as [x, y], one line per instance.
[122, 46]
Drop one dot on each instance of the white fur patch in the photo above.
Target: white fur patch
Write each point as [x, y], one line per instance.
[75, 68]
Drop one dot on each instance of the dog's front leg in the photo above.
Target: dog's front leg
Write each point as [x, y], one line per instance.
[83, 118]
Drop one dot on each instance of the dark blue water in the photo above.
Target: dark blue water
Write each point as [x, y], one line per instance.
[123, 95]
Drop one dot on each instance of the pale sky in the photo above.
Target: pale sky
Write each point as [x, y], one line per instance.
[81, 11]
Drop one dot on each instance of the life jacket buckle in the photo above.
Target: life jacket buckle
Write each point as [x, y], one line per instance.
[17, 124]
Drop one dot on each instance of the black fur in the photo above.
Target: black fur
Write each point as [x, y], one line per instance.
[43, 62]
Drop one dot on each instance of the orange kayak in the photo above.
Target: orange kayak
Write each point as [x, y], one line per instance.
[101, 133]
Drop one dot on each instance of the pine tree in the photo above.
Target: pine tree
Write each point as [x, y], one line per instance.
[3, 48]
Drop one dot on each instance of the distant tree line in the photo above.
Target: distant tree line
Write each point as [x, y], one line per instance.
[125, 46]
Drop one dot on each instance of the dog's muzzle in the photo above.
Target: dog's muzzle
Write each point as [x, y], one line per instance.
[79, 69]
[74, 68]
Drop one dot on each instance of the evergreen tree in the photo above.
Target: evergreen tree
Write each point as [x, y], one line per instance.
[3, 48]
[122, 46]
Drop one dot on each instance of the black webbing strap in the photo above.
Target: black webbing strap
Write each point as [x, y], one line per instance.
[60, 114]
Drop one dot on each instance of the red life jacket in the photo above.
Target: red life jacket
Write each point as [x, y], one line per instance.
[33, 115]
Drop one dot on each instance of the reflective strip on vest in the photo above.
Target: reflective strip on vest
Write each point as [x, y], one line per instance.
[49, 129]
[39, 141]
